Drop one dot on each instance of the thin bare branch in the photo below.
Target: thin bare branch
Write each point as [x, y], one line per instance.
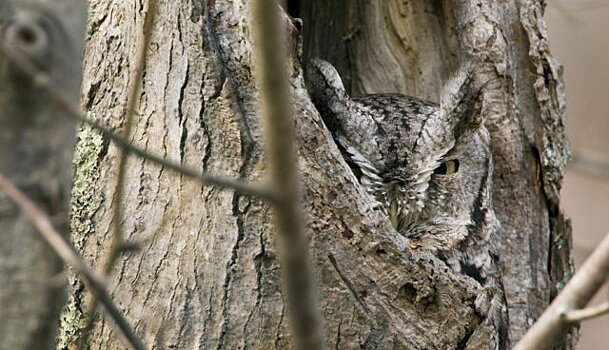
[587, 313]
[118, 244]
[68, 254]
[276, 108]
[135, 78]
[576, 294]
[44, 82]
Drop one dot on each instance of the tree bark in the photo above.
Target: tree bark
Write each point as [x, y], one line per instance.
[411, 47]
[207, 274]
[36, 144]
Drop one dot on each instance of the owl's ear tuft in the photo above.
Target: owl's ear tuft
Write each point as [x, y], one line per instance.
[461, 103]
[322, 77]
[327, 91]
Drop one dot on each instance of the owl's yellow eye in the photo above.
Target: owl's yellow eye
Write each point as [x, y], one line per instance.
[449, 167]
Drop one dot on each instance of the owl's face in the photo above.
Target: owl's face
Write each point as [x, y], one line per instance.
[432, 182]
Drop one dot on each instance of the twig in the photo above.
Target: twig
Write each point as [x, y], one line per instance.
[117, 247]
[276, 108]
[44, 82]
[587, 313]
[68, 254]
[576, 294]
[135, 78]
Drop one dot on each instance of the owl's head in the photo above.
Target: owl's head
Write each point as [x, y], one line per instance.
[428, 165]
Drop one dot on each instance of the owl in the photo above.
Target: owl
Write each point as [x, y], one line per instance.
[427, 166]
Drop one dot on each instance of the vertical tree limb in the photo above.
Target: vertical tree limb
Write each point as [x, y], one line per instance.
[272, 61]
[135, 80]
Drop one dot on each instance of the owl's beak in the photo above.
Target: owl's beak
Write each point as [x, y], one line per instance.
[394, 214]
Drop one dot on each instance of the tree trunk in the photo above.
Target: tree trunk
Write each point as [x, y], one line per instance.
[36, 143]
[207, 274]
[412, 47]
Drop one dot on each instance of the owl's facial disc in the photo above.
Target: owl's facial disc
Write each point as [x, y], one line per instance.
[404, 207]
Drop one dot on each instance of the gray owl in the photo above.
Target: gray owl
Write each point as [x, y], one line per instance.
[427, 166]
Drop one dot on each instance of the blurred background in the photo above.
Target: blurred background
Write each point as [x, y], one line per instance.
[579, 37]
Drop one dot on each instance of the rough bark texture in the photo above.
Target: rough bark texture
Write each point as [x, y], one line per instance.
[410, 47]
[207, 273]
[36, 144]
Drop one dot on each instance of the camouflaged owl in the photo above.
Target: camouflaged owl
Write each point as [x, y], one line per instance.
[427, 165]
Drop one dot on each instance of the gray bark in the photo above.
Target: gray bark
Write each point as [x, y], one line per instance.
[207, 273]
[36, 144]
